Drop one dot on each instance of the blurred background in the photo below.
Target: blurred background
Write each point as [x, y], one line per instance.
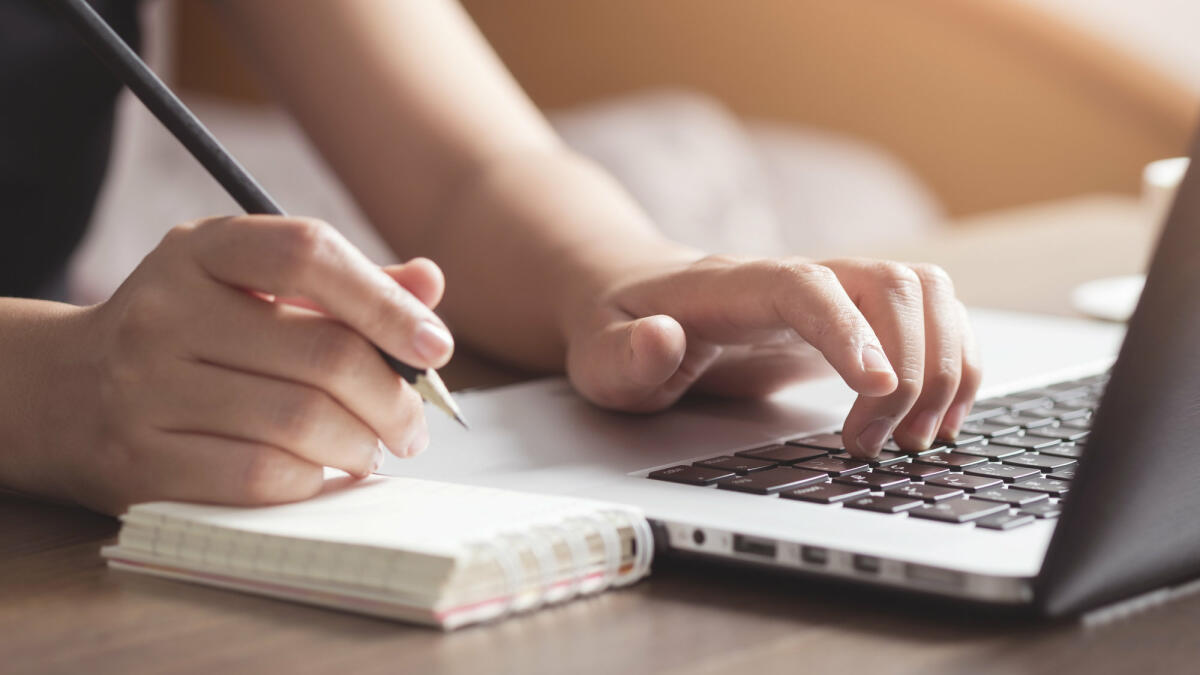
[763, 126]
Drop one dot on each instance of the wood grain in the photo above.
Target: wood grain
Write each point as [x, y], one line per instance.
[62, 611]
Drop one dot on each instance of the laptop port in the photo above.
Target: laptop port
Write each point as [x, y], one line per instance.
[753, 546]
[814, 555]
[866, 563]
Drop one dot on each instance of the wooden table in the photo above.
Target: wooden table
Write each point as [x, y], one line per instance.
[62, 610]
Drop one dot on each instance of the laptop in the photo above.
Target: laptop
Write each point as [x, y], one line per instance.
[1074, 484]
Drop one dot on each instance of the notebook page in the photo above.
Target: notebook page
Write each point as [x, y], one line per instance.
[417, 516]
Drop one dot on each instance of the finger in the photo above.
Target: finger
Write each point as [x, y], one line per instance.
[890, 297]
[280, 342]
[623, 363]
[422, 278]
[204, 468]
[308, 258]
[972, 375]
[302, 420]
[943, 359]
[750, 302]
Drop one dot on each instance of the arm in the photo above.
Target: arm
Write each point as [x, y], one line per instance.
[552, 265]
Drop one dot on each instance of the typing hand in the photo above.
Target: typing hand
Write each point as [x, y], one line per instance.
[894, 332]
[204, 388]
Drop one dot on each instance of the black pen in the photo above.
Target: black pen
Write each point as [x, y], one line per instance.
[175, 116]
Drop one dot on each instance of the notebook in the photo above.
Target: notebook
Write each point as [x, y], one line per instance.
[422, 551]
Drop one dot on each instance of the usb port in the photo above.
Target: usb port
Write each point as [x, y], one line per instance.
[814, 555]
[866, 563]
[753, 546]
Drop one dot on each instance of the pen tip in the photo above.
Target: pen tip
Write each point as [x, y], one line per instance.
[461, 420]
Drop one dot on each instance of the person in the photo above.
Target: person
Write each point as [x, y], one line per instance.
[236, 361]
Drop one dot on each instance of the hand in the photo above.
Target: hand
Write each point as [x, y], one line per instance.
[199, 385]
[894, 332]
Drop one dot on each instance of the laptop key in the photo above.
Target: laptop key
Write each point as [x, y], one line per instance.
[964, 482]
[892, 446]
[992, 452]
[1020, 421]
[991, 430]
[736, 464]
[957, 510]
[1033, 402]
[1082, 423]
[950, 460]
[965, 439]
[823, 441]
[1004, 472]
[883, 504]
[772, 480]
[1004, 521]
[691, 475]
[1069, 450]
[1045, 484]
[914, 472]
[888, 457]
[1036, 461]
[982, 412]
[924, 492]
[1044, 509]
[1007, 495]
[1066, 473]
[1026, 442]
[827, 493]
[1061, 433]
[874, 480]
[782, 453]
[834, 466]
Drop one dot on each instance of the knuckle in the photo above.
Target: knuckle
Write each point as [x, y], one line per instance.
[933, 277]
[303, 241]
[145, 314]
[271, 476]
[907, 390]
[944, 376]
[899, 281]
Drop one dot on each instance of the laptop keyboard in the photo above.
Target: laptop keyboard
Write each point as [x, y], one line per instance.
[1012, 463]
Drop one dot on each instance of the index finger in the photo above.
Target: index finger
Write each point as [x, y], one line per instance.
[287, 256]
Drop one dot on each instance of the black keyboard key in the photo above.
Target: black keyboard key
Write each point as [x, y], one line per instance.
[982, 412]
[888, 457]
[991, 430]
[1046, 484]
[1068, 450]
[883, 504]
[772, 480]
[1032, 419]
[827, 493]
[1061, 433]
[913, 471]
[834, 466]
[1045, 463]
[691, 475]
[782, 453]
[1068, 392]
[1084, 423]
[950, 460]
[1070, 411]
[992, 452]
[1031, 402]
[964, 482]
[1018, 421]
[831, 442]
[1066, 473]
[957, 510]
[928, 493]
[1044, 509]
[937, 446]
[965, 439]
[874, 480]
[1004, 521]
[1026, 442]
[1002, 471]
[736, 464]
[1006, 495]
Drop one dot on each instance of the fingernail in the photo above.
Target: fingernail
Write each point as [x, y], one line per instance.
[874, 360]
[871, 439]
[925, 427]
[953, 420]
[419, 443]
[432, 341]
[378, 461]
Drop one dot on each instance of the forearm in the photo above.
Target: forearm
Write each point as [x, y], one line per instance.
[449, 159]
[33, 358]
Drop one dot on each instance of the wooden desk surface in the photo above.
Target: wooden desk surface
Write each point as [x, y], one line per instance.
[62, 610]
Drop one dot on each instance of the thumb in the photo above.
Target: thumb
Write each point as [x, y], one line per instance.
[625, 364]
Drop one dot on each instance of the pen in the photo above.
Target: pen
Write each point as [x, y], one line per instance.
[166, 106]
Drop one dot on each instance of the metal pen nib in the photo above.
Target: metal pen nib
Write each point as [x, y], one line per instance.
[431, 388]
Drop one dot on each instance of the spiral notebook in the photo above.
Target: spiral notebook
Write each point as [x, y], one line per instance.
[423, 551]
